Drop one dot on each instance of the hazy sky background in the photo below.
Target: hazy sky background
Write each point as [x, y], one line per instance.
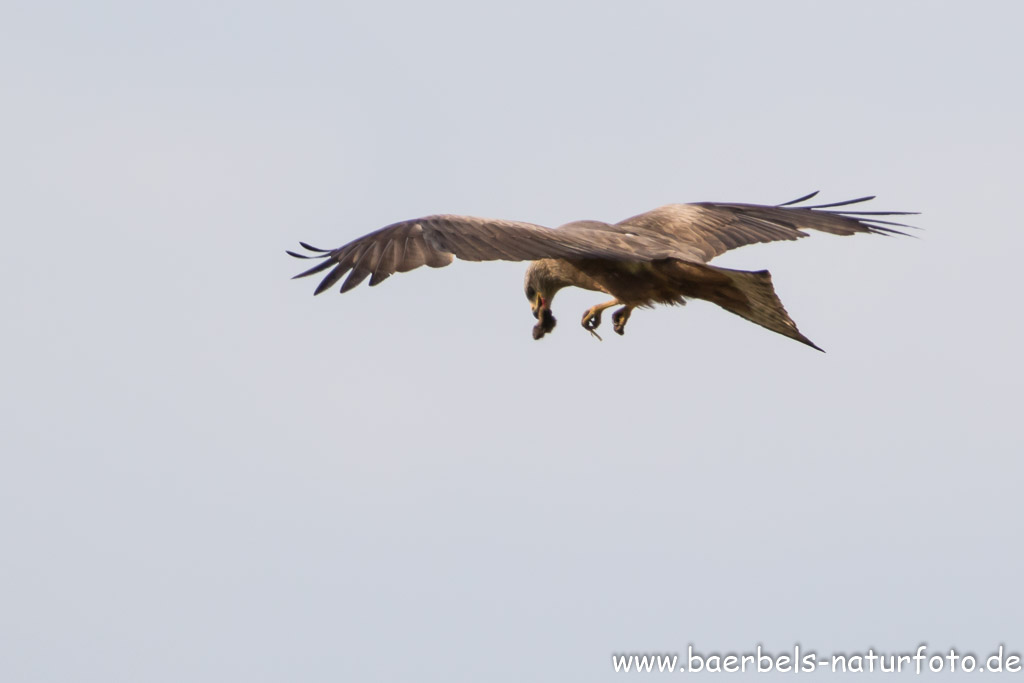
[209, 475]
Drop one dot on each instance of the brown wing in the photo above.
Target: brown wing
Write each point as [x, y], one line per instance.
[704, 230]
[435, 240]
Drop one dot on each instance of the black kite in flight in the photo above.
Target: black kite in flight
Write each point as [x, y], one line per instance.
[658, 257]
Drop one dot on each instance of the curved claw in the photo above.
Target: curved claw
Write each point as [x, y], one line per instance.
[619, 319]
[591, 321]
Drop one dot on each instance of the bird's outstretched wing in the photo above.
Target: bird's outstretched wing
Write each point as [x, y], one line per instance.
[692, 232]
[434, 241]
[704, 230]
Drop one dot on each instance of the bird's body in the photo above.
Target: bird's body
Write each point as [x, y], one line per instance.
[657, 257]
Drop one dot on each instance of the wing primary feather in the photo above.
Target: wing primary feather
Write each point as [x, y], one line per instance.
[385, 265]
[312, 248]
[802, 199]
[876, 213]
[400, 253]
[354, 279]
[869, 221]
[878, 229]
[845, 203]
[332, 278]
[324, 265]
[359, 271]
[292, 253]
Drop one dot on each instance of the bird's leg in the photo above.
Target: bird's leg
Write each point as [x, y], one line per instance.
[619, 319]
[592, 316]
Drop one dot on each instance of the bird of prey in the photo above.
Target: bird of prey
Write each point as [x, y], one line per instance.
[658, 257]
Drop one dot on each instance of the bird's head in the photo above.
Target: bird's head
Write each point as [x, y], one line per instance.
[541, 286]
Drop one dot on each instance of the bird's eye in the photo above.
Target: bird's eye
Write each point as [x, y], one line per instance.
[531, 293]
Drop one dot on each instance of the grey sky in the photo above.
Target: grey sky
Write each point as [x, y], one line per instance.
[210, 475]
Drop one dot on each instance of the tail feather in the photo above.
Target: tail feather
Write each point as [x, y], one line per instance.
[748, 294]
